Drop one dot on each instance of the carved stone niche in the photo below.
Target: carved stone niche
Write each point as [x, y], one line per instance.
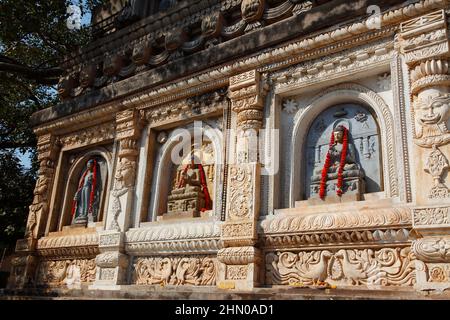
[85, 187]
[343, 141]
[181, 188]
[192, 183]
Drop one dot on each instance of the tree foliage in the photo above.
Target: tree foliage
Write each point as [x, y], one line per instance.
[33, 38]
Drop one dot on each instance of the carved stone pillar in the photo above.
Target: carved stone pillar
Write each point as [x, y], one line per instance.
[424, 44]
[112, 263]
[23, 266]
[240, 258]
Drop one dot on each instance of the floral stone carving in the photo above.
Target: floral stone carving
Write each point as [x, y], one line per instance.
[386, 267]
[192, 270]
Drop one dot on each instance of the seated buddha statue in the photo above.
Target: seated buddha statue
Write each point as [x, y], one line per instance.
[189, 181]
[340, 164]
[190, 193]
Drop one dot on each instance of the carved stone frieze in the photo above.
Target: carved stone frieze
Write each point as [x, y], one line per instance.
[188, 270]
[70, 246]
[385, 267]
[239, 255]
[202, 105]
[437, 165]
[370, 218]
[432, 249]
[188, 237]
[236, 272]
[60, 272]
[240, 192]
[238, 229]
[424, 37]
[337, 65]
[374, 236]
[110, 239]
[431, 216]
[111, 259]
[88, 136]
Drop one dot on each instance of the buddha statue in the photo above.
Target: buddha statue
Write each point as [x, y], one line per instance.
[87, 197]
[340, 172]
[190, 193]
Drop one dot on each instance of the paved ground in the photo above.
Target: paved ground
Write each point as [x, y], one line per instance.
[207, 293]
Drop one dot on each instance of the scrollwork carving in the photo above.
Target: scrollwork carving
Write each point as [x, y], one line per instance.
[55, 272]
[241, 201]
[436, 165]
[431, 216]
[386, 267]
[432, 249]
[192, 270]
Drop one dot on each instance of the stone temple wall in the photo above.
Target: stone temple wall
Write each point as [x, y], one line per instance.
[266, 76]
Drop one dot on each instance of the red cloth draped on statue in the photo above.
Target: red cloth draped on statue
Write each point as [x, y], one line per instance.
[326, 166]
[204, 185]
[80, 186]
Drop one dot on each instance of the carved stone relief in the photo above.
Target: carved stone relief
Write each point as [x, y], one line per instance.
[385, 267]
[437, 165]
[57, 272]
[188, 270]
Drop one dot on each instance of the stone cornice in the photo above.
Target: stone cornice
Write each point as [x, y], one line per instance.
[343, 220]
[69, 246]
[181, 237]
[202, 82]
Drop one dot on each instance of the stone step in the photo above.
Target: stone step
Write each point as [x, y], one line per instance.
[157, 292]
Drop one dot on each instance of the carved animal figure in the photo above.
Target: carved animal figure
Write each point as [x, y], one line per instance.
[353, 271]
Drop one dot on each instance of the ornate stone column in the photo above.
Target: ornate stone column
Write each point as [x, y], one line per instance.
[240, 258]
[112, 262]
[424, 44]
[23, 266]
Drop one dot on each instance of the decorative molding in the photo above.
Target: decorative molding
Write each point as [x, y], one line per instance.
[111, 259]
[192, 270]
[110, 239]
[382, 267]
[236, 272]
[431, 216]
[176, 238]
[345, 219]
[328, 67]
[424, 37]
[70, 246]
[336, 238]
[237, 230]
[432, 249]
[240, 192]
[239, 255]
[88, 136]
[437, 166]
[100, 114]
[204, 105]
[400, 111]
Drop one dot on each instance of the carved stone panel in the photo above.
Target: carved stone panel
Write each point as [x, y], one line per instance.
[385, 267]
[185, 270]
[363, 148]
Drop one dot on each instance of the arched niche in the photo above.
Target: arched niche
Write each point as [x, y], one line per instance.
[343, 94]
[163, 180]
[73, 177]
